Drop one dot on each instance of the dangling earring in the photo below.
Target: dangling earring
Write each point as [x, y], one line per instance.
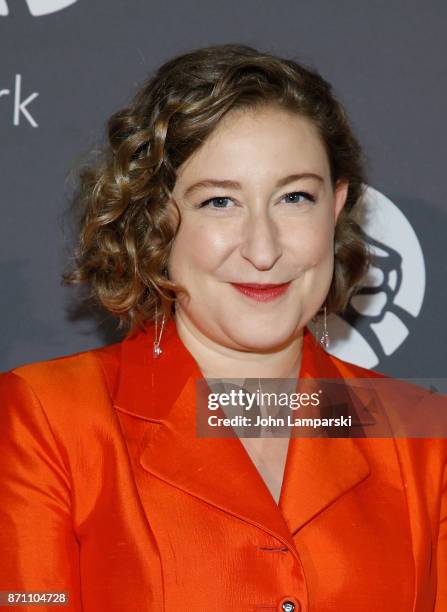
[156, 351]
[324, 339]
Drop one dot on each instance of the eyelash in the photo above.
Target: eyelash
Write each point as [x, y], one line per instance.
[302, 193]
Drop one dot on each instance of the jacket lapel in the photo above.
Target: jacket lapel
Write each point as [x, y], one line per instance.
[319, 471]
[218, 470]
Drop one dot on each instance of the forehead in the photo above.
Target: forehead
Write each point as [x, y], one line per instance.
[261, 138]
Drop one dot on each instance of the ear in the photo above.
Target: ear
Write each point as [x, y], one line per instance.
[173, 212]
[340, 195]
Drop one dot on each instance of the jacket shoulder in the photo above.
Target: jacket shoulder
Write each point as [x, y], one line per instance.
[417, 417]
[66, 368]
[352, 370]
[66, 384]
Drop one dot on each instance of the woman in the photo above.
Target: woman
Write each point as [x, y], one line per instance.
[218, 225]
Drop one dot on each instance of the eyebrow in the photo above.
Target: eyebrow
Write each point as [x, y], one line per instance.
[227, 184]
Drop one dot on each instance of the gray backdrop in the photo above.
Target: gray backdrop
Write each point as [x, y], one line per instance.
[65, 69]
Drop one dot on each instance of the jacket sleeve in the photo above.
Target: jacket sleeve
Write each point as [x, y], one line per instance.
[441, 559]
[39, 551]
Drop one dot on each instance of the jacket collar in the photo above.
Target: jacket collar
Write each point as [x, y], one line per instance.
[219, 470]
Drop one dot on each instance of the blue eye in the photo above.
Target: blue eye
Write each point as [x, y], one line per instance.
[304, 194]
[208, 202]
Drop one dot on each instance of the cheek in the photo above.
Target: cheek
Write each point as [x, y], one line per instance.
[311, 244]
[198, 247]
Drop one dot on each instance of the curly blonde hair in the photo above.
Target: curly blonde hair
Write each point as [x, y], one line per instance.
[125, 234]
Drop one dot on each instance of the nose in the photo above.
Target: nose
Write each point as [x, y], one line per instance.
[260, 240]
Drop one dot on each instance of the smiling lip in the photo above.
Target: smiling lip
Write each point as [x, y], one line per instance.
[261, 292]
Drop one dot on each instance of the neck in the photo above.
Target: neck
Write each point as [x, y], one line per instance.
[218, 361]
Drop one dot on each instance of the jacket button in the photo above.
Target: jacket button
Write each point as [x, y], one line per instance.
[289, 604]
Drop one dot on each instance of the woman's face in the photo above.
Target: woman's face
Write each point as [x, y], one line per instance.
[257, 206]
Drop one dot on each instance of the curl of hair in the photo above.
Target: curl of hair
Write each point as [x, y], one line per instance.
[125, 235]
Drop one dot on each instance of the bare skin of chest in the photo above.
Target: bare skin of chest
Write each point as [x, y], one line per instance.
[269, 457]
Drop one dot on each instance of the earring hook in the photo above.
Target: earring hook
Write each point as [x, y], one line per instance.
[156, 350]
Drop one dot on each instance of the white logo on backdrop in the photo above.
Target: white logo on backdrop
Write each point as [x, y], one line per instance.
[20, 105]
[381, 315]
[37, 8]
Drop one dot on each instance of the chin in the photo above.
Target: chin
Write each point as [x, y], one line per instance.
[254, 337]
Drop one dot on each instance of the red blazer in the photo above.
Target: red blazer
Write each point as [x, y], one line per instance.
[107, 493]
